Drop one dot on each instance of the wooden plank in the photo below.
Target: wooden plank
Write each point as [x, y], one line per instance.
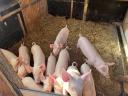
[2, 18]
[85, 9]
[27, 92]
[34, 12]
[10, 74]
[5, 87]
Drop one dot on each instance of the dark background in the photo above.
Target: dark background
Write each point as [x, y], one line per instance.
[98, 10]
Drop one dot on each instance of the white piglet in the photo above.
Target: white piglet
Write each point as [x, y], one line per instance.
[39, 63]
[29, 83]
[93, 57]
[73, 82]
[51, 64]
[60, 41]
[24, 58]
[62, 63]
[89, 86]
[12, 58]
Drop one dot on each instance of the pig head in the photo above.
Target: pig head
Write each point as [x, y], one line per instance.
[73, 83]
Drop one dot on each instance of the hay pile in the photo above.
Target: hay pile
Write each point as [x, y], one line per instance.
[102, 35]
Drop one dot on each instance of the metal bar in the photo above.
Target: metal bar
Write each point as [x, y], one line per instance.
[71, 8]
[123, 55]
[85, 9]
[67, 1]
[2, 18]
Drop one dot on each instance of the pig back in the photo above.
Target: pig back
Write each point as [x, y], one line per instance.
[51, 64]
[89, 86]
[24, 54]
[38, 55]
[88, 49]
[62, 62]
[62, 36]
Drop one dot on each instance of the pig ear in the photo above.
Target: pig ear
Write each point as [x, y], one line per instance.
[86, 75]
[65, 76]
[42, 67]
[51, 46]
[110, 64]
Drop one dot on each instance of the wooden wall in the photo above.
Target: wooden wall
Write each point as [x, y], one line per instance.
[34, 12]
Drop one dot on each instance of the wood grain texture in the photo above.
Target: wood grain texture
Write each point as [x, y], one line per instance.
[5, 87]
[34, 12]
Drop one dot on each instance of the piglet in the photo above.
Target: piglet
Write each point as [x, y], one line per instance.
[89, 87]
[73, 83]
[62, 63]
[24, 57]
[29, 83]
[60, 41]
[39, 63]
[93, 57]
[51, 63]
[12, 58]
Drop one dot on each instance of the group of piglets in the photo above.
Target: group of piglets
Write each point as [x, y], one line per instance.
[59, 74]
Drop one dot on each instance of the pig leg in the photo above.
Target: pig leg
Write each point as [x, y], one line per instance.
[64, 92]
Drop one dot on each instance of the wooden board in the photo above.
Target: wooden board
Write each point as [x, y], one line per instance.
[5, 88]
[26, 92]
[34, 12]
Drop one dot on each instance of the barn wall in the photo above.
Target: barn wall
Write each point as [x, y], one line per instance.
[34, 12]
[103, 10]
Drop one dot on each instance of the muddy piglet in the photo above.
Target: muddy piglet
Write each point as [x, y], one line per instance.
[89, 86]
[93, 57]
[39, 62]
[60, 41]
[73, 81]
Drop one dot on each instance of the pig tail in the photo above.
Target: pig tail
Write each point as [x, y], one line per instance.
[33, 43]
[75, 64]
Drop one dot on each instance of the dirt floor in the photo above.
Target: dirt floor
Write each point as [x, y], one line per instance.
[102, 35]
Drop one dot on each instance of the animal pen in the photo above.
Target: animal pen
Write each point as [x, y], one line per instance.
[103, 22]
